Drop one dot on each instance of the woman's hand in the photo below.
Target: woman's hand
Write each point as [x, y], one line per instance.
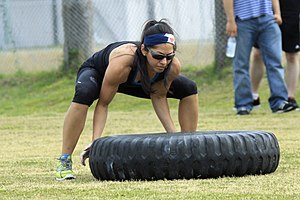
[85, 154]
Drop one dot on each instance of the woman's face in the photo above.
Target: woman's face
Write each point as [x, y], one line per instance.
[159, 57]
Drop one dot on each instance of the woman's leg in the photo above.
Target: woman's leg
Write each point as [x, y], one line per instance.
[188, 113]
[186, 91]
[86, 91]
[73, 125]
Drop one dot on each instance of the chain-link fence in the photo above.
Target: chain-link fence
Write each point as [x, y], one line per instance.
[35, 33]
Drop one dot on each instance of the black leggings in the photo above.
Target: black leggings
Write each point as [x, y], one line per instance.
[89, 81]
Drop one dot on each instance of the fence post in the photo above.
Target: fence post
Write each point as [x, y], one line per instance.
[220, 36]
[8, 39]
[151, 9]
[55, 23]
[78, 32]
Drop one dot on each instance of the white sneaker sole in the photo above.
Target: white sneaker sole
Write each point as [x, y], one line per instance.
[284, 111]
[67, 177]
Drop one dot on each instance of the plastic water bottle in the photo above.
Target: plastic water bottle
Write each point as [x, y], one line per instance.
[231, 45]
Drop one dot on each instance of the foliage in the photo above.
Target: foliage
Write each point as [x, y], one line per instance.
[26, 93]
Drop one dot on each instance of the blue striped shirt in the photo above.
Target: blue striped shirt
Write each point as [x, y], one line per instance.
[246, 9]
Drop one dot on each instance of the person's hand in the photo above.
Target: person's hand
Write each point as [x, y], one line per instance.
[85, 154]
[278, 19]
[231, 29]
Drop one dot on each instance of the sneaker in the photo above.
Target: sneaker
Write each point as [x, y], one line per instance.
[284, 107]
[243, 111]
[64, 168]
[256, 103]
[293, 101]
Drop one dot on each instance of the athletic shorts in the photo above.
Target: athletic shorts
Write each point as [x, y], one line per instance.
[89, 81]
[290, 30]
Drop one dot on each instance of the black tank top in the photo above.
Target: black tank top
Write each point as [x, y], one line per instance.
[100, 61]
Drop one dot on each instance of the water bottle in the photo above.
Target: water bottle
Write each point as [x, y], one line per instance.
[230, 49]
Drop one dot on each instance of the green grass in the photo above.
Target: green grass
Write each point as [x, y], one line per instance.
[31, 118]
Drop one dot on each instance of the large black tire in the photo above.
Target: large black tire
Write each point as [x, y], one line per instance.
[206, 154]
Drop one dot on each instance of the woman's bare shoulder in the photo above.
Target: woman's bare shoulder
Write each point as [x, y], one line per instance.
[120, 62]
[175, 66]
[125, 50]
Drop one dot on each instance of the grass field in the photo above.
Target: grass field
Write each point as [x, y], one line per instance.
[31, 118]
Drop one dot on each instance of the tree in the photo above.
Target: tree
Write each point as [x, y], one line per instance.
[78, 32]
[220, 36]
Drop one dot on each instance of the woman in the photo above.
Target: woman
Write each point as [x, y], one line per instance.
[146, 69]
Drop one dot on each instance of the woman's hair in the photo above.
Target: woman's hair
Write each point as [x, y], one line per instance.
[151, 27]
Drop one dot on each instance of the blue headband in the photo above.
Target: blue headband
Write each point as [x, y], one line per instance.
[159, 38]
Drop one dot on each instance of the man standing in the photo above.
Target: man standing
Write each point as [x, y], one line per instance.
[253, 21]
[290, 12]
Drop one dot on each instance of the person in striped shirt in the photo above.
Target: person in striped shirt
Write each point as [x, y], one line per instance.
[253, 21]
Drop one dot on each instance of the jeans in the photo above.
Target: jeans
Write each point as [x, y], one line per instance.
[266, 33]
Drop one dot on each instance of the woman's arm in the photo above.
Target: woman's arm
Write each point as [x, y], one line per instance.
[116, 73]
[159, 98]
[108, 90]
[161, 107]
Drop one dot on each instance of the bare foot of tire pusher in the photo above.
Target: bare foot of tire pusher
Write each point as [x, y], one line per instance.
[205, 154]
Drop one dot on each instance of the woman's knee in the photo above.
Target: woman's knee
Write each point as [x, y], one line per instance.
[189, 88]
[85, 94]
[87, 87]
[182, 87]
